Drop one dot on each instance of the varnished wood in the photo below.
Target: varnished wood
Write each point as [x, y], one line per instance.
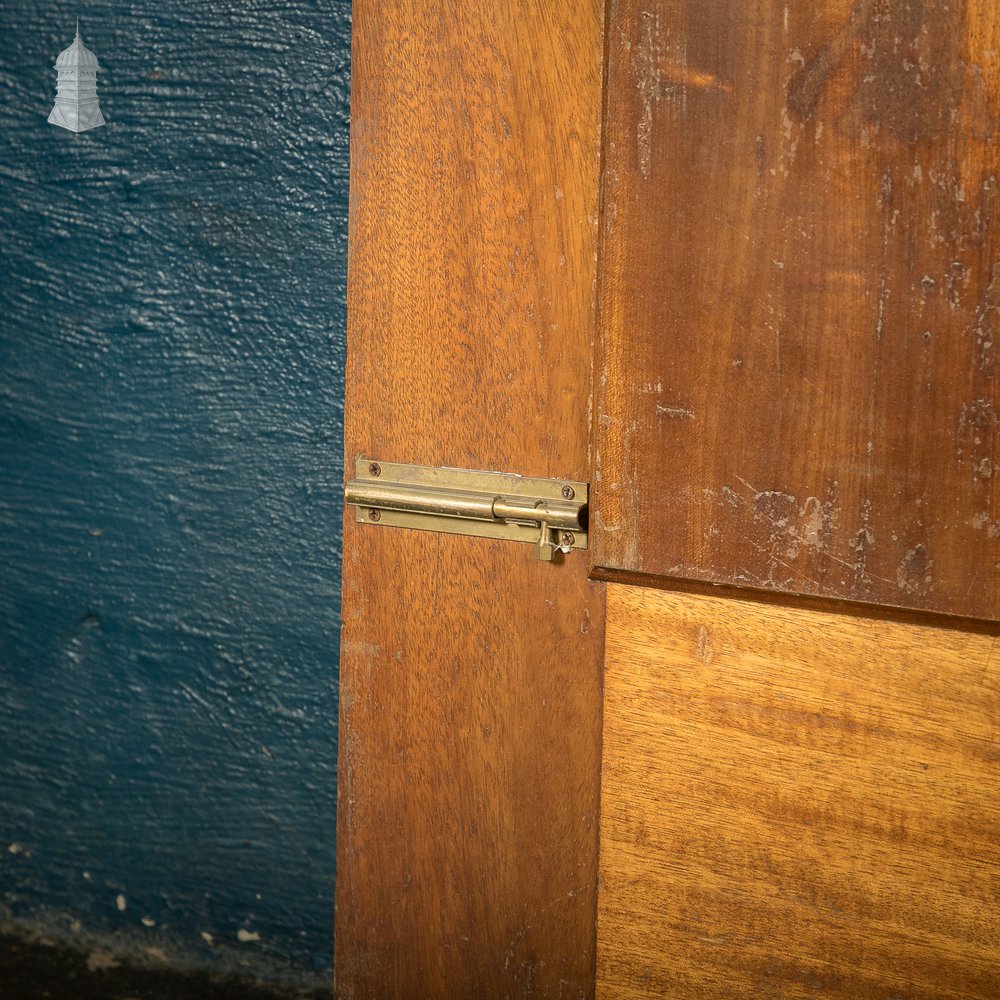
[800, 300]
[470, 676]
[796, 804]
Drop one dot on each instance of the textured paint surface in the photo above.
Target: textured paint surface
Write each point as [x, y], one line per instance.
[171, 359]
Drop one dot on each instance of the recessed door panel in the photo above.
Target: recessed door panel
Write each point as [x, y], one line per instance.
[800, 300]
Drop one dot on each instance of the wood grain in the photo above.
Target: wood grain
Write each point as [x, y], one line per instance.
[800, 300]
[796, 804]
[470, 684]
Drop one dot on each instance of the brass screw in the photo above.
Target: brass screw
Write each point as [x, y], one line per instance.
[568, 538]
[374, 515]
[374, 469]
[567, 492]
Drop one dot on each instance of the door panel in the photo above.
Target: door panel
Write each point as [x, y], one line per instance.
[796, 804]
[801, 300]
[470, 676]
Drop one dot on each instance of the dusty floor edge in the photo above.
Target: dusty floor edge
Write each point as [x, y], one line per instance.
[36, 966]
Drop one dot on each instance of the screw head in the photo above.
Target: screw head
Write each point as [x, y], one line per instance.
[568, 538]
[568, 493]
[374, 469]
[374, 515]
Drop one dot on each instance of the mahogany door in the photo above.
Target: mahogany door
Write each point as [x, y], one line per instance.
[471, 672]
[793, 499]
[797, 402]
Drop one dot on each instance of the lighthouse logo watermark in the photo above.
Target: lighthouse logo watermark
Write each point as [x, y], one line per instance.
[76, 107]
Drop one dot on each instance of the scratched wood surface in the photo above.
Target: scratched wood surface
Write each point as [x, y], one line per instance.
[787, 818]
[801, 300]
[470, 684]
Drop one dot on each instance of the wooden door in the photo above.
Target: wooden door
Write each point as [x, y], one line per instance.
[470, 672]
[797, 403]
[796, 786]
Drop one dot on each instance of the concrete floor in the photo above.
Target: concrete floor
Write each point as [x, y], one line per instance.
[30, 970]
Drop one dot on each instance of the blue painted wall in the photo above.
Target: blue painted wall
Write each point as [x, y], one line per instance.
[171, 358]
